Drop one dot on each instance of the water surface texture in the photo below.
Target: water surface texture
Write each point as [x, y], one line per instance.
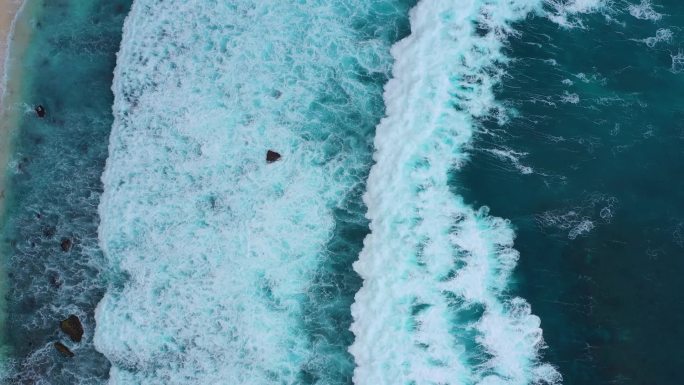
[587, 170]
[54, 188]
[469, 192]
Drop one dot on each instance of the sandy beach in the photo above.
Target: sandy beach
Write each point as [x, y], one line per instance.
[8, 13]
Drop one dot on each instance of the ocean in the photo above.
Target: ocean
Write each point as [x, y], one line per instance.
[586, 170]
[465, 192]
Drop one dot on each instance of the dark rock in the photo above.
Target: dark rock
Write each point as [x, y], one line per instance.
[72, 327]
[40, 111]
[66, 244]
[272, 156]
[63, 349]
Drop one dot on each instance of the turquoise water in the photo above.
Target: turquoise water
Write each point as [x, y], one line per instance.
[470, 192]
[54, 188]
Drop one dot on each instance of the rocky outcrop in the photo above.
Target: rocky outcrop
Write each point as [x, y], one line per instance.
[272, 156]
[40, 111]
[72, 327]
[66, 352]
[66, 244]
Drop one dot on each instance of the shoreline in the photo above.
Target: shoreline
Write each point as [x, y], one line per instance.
[8, 15]
[9, 9]
[14, 37]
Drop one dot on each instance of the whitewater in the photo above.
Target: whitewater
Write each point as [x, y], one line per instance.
[435, 306]
[213, 253]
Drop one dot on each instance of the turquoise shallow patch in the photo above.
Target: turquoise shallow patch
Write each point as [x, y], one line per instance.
[54, 188]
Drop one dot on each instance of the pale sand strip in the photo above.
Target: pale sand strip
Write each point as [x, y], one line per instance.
[9, 10]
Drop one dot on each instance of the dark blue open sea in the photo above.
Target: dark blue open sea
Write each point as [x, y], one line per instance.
[465, 192]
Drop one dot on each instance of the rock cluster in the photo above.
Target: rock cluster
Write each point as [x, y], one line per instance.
[72, 327]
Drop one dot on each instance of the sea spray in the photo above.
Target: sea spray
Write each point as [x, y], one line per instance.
[214, 254]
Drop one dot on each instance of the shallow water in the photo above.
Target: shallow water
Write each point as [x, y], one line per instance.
[54, 188]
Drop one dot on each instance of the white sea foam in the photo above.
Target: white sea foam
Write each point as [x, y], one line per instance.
[663, 35]
[582, 218]
[566, 13]
[644, 11]
[434, 306]
[582, 227]
[568, 97]
[589, 78]
[211, 249]
[512, 156]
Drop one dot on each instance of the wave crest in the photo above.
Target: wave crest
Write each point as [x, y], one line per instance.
[434, 306]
